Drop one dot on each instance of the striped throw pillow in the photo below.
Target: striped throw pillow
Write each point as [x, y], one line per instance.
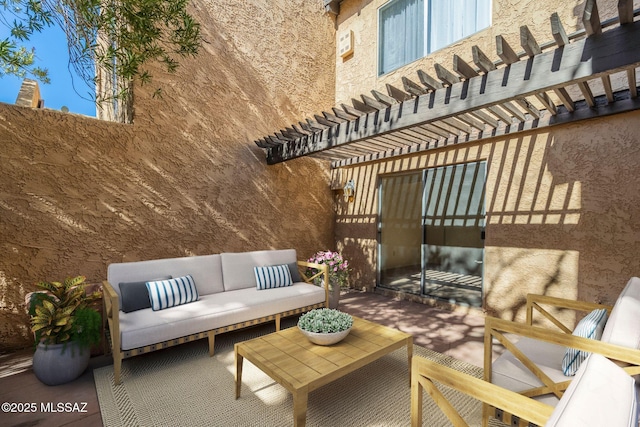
[172, 292]
[591, 326]
[272, 276]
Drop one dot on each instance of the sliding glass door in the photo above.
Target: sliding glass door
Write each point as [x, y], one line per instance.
[431, 233]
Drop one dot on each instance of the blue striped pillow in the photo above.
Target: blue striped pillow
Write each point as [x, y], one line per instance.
[172, 292]
[591, 326]
[272, 276]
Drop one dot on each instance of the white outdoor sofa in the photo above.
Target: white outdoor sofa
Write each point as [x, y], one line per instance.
[228, 295]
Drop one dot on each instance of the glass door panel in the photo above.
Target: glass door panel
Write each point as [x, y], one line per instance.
[399, 232]
[453, 233]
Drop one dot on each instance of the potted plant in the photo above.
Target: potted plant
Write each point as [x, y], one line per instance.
[325, 326]
[338, 273]
[65, 326]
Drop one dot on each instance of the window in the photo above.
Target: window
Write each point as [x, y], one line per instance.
[411, 29]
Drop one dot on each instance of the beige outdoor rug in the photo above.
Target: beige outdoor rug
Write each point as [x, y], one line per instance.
[183, 386]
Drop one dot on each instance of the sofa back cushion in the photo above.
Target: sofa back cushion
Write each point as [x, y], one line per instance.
[237, 268]
[623, 326]
[206, 271]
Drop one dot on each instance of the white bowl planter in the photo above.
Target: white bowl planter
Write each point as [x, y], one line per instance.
[325, 338]
[325, 326]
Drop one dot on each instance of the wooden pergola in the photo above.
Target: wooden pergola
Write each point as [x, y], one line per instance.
[587, 74]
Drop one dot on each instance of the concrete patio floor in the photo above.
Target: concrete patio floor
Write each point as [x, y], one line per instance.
[458, 334]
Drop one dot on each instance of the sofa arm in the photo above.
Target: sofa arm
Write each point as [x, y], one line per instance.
[539, 302]
[111, 303]
[323, 272]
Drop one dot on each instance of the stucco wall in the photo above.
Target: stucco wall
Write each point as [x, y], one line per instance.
[357, 74]
[562, 211]
[186, 178]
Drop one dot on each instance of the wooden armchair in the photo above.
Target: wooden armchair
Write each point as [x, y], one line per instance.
[532, 362]
[601, 394]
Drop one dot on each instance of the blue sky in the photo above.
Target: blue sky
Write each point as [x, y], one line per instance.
[52, 53]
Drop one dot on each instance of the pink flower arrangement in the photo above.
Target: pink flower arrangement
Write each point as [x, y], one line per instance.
[338, 266]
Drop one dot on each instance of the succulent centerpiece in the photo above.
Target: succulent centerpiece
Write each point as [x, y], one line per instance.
[325, 326]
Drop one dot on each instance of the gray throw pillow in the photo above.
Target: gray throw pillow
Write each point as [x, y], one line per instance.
[135, 295]
[295, 274]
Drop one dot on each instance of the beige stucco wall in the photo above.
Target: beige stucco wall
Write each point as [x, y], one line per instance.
[357, 74]
[562, 211]
[186, 178]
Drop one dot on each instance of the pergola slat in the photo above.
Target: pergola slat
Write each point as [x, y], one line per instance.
[500, 114]
[527, 106]
[333, 118]
[463, 69]
[359, 105]
[631, 78]
[412, 87]
[353, 111]
[397, 94]
[505, 52]
[481, 60]
[625, 11]
[343, 114]
[484, 117]
[608, 90]
[385, 99]
[428, 81]
[373, 103]
[445, 75]
[586, 92]
[528, 42]
[591, 18]
[557, 30]
[547, 102]
[471, 121]
[565, 98]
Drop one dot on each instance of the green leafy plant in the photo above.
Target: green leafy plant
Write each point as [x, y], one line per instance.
[325, 320]
[338, 266]
[61, 312]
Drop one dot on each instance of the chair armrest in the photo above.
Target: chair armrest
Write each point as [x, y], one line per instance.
[536, 302]
[111, 303]
[424, 372]
[323, 273]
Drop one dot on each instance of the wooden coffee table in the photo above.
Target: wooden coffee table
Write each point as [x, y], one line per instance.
[301, 367]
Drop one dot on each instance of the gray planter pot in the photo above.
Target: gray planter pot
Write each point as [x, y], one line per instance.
[60, 363]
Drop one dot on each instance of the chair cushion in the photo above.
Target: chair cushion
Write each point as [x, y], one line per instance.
[623, 327]
[273, 276]
[602, 394]
[172, 292]
[591, 326]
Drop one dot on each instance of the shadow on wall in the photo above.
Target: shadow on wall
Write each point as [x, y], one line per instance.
[561, 212]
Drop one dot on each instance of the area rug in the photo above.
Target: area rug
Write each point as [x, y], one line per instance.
[183, 386]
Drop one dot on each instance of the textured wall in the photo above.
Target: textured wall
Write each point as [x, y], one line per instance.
[357, 74]
[186, 178]
[562, 211]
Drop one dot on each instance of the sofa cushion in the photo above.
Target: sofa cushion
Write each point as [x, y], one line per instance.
[623, 327]
[590, 326]
[272, 276]
[146, 327]
[237, 268]
[602, 394]
[172, 292]
[295, 273]
[135, 295]
[206, 271]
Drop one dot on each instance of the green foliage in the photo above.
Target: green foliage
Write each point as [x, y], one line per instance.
[60, 312]
[28, 18]
[325, 320]
[121, 37]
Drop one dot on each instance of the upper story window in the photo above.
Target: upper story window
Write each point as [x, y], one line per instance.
[411, 29]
